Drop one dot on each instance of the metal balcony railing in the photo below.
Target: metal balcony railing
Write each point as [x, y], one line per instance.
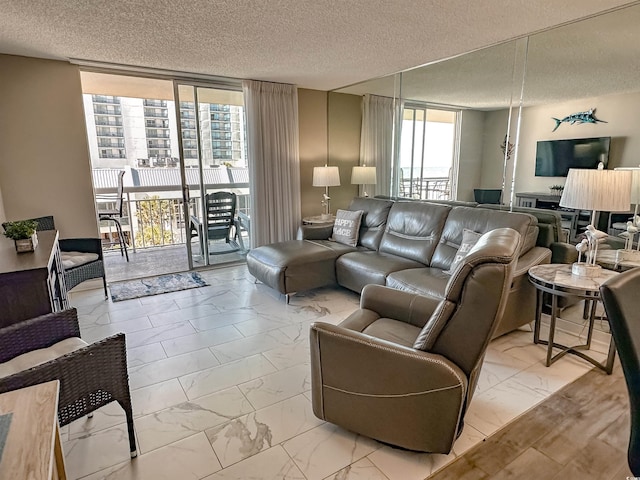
[427, 188]
[157, 220]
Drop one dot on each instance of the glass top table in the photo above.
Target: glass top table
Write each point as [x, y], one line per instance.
[557, 281]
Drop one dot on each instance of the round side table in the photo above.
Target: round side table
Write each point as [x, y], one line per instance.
[557, 281]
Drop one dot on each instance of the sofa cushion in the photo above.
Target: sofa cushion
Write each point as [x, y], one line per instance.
[356, 269]
[36, 357]
[374, 220]
[346, 228]
[393, 331]
[413, 230]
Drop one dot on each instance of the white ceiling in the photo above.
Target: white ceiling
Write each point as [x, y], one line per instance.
[320, 44]
[593, 57]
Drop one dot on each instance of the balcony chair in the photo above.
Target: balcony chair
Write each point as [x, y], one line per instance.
[219, 222]
[82, 258]
[403, 368]
[622, 304]
[115, 215]
[49, 348]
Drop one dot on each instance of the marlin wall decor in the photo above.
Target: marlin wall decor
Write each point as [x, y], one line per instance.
[580, 117]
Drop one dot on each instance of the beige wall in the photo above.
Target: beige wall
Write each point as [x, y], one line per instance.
[44, 160]
[345, 124]
[619, 111]
[312, 121]
[470, 157]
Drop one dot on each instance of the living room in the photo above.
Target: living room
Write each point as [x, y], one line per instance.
[329, 127]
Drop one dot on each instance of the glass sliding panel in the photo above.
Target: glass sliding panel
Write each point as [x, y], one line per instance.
[214, 148]
[427, 140]
[131, 126]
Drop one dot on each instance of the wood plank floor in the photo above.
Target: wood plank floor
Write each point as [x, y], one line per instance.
[581, 432]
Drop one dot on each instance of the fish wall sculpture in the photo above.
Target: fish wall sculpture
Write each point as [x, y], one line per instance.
[580, 117]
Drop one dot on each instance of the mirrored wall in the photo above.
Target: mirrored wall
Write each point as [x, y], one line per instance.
[474, 122]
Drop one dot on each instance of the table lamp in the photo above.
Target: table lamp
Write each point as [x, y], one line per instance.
[363, 176]
[326, 177]
[595, 190]
[633, 226]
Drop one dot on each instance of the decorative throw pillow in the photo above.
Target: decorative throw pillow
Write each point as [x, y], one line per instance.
[469, 239]
[347, 227]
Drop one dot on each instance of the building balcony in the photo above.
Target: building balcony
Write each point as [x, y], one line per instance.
[114, 122]
[152, 133]
[156, 113]
[154, 222]
[110, 143]
[154, 103]
[105, 99]
[109, 134]
[107, 110]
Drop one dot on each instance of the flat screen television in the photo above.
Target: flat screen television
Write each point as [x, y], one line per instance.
[554, 158]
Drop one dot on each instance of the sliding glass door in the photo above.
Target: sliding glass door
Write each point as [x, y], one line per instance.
[427, 153]
[211, 125]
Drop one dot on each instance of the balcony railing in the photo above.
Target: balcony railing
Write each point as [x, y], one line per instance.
[109, 143]
[428, 188]
[109, 123]
[154, 103]
[105, 99]
[153, 214]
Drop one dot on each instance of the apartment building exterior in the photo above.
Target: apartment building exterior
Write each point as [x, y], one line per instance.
[142, 132]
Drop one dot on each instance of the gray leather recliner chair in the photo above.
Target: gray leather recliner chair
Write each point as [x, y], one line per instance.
[403, 368]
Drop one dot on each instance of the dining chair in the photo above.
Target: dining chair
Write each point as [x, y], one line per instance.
[115, 215]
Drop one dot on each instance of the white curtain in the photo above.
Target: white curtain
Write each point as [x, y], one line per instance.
[274, 161]
[376, 141]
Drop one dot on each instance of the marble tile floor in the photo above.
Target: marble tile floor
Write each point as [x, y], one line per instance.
[221, 389]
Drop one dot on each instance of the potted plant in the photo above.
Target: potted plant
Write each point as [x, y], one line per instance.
[23, 233]
[556, 189]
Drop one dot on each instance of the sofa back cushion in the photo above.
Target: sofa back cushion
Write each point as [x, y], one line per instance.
[374, 218]
[481, 220]
[413, 230]
[549, 223]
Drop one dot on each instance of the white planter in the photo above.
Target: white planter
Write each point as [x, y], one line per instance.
[27, 244]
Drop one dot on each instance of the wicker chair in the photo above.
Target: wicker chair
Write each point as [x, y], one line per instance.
[75, 275]
[90, 377]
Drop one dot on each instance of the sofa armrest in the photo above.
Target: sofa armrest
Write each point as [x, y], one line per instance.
[398, 304]
[314, 232]
[38, 332]
[357, 378]
[562, 252]
[535, 256]
[85, 245]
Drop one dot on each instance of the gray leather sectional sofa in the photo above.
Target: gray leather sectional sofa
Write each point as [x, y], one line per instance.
[405, 245]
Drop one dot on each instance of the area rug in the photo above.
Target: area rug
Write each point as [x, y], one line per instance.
[144, 287]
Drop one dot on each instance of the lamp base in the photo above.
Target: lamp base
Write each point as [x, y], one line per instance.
[627, 255]
[585, 270]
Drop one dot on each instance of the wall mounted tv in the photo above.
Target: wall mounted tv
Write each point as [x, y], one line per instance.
[554, 158]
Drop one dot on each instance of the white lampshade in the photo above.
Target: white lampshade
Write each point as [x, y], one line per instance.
[635, 183]
[363, 175]
[326, 176]
[597, 190]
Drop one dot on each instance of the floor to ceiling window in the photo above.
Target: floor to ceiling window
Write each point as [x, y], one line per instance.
[427, 153]
[137, 125]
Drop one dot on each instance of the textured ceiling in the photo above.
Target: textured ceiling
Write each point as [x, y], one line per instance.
[594, 57]
[321, 44]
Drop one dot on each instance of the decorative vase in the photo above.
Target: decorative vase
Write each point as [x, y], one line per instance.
[25, 245]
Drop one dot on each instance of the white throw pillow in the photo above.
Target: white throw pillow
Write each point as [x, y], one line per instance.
[469, 239]
[75, 259]
[346, 228]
